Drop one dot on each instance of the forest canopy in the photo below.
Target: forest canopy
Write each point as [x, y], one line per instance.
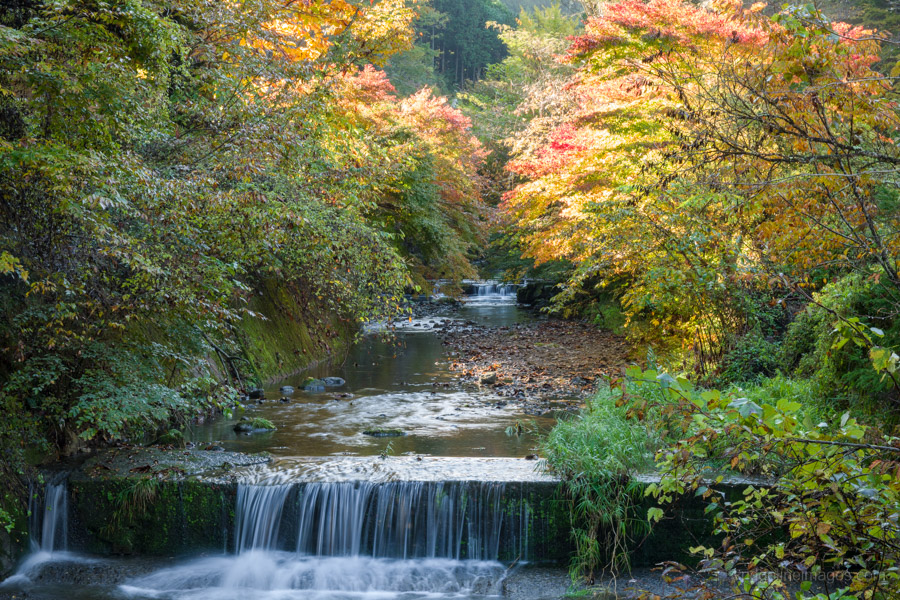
[161, 163]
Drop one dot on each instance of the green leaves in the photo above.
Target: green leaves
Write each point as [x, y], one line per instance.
[172, 158]
[828, 501]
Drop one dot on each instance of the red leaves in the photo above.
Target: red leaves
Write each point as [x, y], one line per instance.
[681, 21]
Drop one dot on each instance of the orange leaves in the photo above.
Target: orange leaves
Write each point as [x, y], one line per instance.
[385, 28]
[307, 31]
[707, 146]
[303, 31]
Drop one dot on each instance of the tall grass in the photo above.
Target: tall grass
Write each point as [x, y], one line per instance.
[595, 453]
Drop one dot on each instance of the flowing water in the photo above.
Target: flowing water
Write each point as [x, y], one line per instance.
[404, 384]
[327, 519]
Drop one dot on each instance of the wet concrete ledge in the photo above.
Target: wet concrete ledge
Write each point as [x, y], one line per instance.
[171, 503]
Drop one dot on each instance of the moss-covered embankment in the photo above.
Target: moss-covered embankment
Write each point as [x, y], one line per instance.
[288, 335]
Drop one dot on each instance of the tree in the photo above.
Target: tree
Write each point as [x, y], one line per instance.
[160, 162]
[713, 151]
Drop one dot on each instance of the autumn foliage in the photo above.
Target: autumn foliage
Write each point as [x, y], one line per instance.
[714, 151]
[162, 164]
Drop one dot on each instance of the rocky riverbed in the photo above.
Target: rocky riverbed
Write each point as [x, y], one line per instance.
[545, 364]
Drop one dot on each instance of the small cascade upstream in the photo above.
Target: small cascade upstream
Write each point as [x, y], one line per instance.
[491, 291]
[492, 288]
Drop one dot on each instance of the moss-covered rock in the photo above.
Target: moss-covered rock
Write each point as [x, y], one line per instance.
[384, 432]
[257, 425]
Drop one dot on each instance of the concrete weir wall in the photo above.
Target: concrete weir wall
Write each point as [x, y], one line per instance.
[172, 518]
[121, 516]
[401, 507]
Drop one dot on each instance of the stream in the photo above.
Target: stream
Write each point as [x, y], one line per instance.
[401, 384]
[339, 514]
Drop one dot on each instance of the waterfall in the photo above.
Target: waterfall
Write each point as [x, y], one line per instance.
[405, 520]
[50, 518]
[493, 288]
[259, 509]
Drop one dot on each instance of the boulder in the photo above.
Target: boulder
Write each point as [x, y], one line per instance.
[489, 378]
[257, 425]
[313, 385]
[333, 381]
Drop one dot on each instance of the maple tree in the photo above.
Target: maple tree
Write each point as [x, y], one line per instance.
[714, 151]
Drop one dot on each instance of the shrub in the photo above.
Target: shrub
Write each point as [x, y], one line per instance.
[750, 358]
[843, 375]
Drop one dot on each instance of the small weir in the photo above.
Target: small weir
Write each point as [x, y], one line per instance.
[326, 540]
[400, 520]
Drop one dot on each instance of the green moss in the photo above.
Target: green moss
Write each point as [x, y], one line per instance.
[13, 531]
[378, 432]
[260, 423]
[173, 437]
[176, 518]
[288, 334]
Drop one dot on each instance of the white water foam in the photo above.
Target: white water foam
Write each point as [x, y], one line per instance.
[265, 575]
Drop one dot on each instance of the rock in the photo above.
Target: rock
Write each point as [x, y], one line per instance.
[257, 394]
[384, 432]
[214, 448]
[284, 399]
[173, 437]
[489, 378]
[313, 385]
[333, 381]
[257, 425]
[286, 389]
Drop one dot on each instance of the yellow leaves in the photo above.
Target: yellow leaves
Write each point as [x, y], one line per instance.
[386, 28]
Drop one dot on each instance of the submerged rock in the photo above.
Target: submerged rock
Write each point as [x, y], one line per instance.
[384, 432]
[257, 394]
[257, 425]
[311, 384]
[286, 389]
[333, 381]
